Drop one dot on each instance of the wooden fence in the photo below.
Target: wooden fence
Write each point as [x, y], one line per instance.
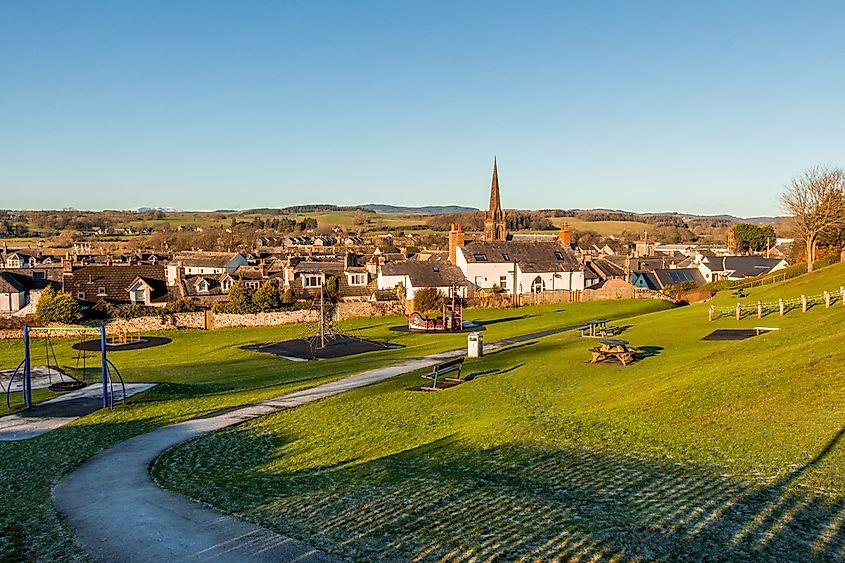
[781, 306]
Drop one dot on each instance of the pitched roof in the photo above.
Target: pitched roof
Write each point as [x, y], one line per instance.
[531, 256]
[10, 284]
[677, 276]
[116, 281]
[426, 273]
[206, 259]
[748, 266]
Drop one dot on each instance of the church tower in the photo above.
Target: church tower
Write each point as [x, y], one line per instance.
[494, 222]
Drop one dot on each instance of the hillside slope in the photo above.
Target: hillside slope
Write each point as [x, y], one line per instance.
[726, 449]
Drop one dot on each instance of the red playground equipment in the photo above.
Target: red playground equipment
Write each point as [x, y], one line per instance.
[450, 320]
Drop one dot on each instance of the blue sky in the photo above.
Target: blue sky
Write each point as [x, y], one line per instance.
[647, 106]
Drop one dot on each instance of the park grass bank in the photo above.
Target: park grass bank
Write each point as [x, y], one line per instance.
[726, 450]
[201, 372]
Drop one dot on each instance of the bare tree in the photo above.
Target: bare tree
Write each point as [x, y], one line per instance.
[816, 201]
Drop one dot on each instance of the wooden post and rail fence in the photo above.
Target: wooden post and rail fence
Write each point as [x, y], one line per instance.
[782, 306]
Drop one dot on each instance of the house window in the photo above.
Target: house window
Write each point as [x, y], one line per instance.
[506, 258]
[252, 284]
[538, 285]
[202, 287]
[503, 281]
[39, 275]
[357, 279]
[101, 291]
[139, 296]
[480, 257]
[559, 255]
[312, 280]
[226, 284]
[80, 295]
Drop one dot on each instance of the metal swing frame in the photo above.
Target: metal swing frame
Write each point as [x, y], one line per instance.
[106, 366]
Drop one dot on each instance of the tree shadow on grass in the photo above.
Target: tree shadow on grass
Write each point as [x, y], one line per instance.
[503, 320]
[648, 351]
[445, 500]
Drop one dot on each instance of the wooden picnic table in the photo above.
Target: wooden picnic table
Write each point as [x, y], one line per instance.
[596, 328]
[615, 349]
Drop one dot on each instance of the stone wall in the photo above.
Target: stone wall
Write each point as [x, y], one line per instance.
[199, 320]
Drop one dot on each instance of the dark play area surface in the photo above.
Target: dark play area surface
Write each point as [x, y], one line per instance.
[336, 347]
[146, 342]
[730, 334]
[468, 327]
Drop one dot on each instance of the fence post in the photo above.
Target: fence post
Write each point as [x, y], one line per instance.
[738, 312]
[710, 313]
[803, 303]
[827, 299]
[780, 306]
[759, 309]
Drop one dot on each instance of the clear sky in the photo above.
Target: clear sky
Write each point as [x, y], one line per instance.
[646, 106]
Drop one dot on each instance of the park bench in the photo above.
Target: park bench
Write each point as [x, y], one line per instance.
[442, 371]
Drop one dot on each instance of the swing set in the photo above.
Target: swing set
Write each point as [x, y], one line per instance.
[105, 366]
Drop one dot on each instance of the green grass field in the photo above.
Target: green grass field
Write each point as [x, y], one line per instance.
[602, 227]
[726, 450]
[202, 372]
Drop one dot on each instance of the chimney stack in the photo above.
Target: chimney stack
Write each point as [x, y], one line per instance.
[456, 239]
[565, 235]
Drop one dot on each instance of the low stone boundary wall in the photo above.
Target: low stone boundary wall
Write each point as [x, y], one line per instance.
[203, 320]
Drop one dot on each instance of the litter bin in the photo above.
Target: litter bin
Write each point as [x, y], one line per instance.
[475, 345]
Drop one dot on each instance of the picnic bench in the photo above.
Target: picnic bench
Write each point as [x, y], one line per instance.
[614, 349]
[442, 371]
[597, 328]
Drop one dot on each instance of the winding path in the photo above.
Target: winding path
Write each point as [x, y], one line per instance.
[119, 513]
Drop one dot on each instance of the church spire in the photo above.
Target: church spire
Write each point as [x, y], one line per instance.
[495, 198]
[495, 227]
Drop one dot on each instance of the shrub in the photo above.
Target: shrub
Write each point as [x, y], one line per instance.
[57, 307]
[266, 298]
[428, 299]
[332, 286]
[289, 296]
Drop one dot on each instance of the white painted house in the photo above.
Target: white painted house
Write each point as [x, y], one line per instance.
[523, 267]
[415, 275]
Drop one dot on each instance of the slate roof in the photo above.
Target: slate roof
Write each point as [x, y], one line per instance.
[9, 283]
[607, 269]
[532, 257]
[426, 274]
[743, 266]
[116, 281]
[206, 259]
[678, 276]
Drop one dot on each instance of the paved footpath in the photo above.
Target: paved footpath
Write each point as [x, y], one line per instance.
[120, 515]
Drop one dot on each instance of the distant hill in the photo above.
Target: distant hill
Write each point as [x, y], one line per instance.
[424, 210]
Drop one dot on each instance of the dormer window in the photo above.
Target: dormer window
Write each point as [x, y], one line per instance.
[312, 280]
[226, 284]
[101, 291]
[357, 278]
[202, 286]
[559, 255]
[480, 257]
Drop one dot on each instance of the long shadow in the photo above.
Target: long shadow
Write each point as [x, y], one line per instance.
[503, 320]
[648, 351]
[445, 499]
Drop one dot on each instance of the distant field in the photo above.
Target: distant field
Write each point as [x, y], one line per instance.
[602, 227]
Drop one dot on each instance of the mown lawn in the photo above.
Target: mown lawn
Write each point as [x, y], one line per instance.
[198, 373]
[703, 450]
